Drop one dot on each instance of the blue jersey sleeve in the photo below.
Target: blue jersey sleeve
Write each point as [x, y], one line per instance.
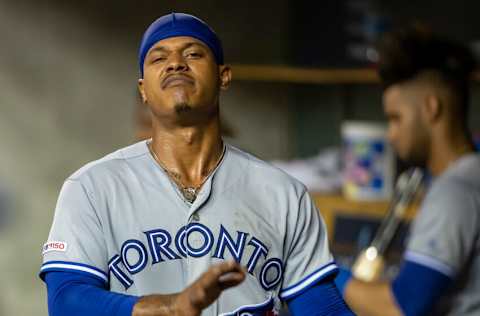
[321, 299]
[417, 288]
[77, 294]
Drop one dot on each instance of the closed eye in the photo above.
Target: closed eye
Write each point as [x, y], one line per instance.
[194, 55]
[158, 59]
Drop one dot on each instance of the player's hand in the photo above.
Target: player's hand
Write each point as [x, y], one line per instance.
[196, 297]
[204, 291]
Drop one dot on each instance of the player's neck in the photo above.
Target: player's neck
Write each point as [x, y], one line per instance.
[446, 148]
[190, 152]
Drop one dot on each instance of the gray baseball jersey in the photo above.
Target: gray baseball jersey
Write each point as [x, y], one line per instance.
[446, 233]
[122, 220]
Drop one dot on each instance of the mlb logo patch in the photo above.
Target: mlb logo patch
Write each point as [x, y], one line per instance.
[54, 246]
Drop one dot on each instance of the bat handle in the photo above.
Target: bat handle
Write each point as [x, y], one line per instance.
[369, 265]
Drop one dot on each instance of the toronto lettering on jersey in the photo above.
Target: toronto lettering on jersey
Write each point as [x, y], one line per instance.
[162, 246]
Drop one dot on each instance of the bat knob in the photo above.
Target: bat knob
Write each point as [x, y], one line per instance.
[369, 265]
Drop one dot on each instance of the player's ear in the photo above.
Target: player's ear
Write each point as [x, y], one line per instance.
[141, 89]
[432, 107]
[225, 76]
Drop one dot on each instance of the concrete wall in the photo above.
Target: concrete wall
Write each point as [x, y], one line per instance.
[59, 108]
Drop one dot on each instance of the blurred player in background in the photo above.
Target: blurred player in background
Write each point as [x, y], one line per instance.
[426, 98]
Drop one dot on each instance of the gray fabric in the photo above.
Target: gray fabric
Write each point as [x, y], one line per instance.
[125, 195]
[445, 234]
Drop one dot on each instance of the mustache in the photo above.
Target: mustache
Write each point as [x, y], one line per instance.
[170, 78]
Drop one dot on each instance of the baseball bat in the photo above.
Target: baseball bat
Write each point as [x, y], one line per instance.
[369, 265]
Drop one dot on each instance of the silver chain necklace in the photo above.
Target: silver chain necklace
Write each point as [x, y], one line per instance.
[189, 193]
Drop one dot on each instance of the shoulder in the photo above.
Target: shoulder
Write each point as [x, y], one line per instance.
[460, 181]
[261, 173]
[464, 173]
[113, 164]
[456, 192]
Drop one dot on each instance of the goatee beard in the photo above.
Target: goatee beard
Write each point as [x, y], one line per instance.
[182, 108]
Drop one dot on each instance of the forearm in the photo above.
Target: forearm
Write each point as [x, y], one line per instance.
[77, 295]
[180, 304]
[72, 294]
[156, 305]
[371, 299]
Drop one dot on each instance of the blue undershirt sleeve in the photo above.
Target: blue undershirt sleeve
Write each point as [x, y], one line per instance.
[342, 279]
[75, 294]
[417, 288]
[320, 300]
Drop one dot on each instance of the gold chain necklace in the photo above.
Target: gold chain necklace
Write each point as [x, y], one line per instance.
[189, 193]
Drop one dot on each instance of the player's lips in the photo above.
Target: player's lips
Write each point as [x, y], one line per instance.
[176, 80]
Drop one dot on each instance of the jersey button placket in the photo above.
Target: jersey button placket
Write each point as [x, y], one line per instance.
[195, 217]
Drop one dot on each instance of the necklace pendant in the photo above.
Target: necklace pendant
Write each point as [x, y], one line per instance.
[189, 194]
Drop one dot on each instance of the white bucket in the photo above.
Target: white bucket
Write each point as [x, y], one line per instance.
[369, 161]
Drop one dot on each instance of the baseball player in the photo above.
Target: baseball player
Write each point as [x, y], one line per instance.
[426, 98]
[184, 224]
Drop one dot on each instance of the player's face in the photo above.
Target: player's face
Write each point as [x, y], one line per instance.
[181, 77]
[407, 130]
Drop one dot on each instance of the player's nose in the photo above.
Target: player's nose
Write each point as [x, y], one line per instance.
[176, 63]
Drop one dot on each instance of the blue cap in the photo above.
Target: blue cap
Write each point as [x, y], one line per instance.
[179, 24]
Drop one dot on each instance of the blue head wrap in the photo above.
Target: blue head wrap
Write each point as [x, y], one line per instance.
[179, 24]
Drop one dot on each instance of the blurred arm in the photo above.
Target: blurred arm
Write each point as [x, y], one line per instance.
[372, 299]
[414, 291]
